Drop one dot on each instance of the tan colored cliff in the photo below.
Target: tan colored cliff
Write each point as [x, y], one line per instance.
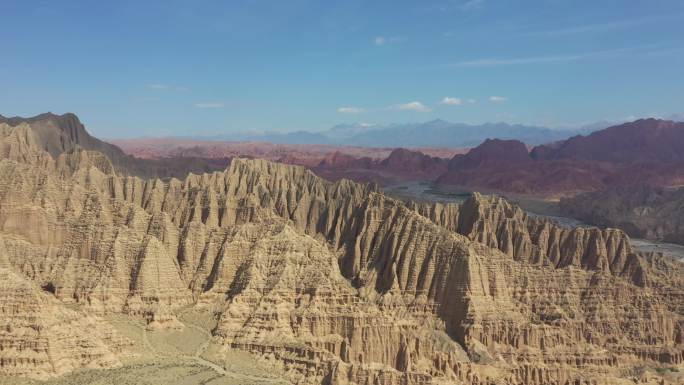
[41, 338]
[493, 221]
[336, 282]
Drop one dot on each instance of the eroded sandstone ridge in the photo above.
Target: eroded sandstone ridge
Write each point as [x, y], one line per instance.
[57, 134]
[41, 338]
[643, 211]
[333, 282]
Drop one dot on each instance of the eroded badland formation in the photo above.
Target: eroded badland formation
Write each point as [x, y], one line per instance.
[316, 282]
[644, 151]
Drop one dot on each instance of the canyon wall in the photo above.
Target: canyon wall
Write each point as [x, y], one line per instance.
[642, 210]
[335, 282]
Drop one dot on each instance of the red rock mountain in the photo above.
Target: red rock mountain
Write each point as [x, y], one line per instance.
[493, 152]
[339, 159]
[645, 151]
[645, 140]
[405, 160]
[401, 164]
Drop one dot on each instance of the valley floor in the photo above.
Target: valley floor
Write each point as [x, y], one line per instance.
[171, 357]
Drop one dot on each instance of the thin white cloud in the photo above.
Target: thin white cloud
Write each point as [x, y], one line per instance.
[209, 105]
[497, 62]
[350, 110]
[384, 40]
[498, 99]
[449, 101]
[411, 106]
[516, 61]
[472, 4]
[158, 86]
[472, 101]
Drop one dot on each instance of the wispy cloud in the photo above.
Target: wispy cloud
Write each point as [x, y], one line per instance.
[498, 99]
[472, 101]
[209, 105]
[472, 4]
[449, 101]
[157, 86]
[411, 106]
[493, 62]
[557, 58]
[383, 40]
[350, 110]
[162, 86]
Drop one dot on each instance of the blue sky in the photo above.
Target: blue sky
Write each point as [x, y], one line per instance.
[134, 68]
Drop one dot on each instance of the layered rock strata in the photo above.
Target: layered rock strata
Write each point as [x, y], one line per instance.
[335, 282]
[40, 338]
[643, 211]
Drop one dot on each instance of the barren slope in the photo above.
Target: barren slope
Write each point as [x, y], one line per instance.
[643, 211]
[335, 283]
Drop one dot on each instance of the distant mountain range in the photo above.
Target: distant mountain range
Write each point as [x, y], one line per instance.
[648, 150]
[644, 151]
[435, 133]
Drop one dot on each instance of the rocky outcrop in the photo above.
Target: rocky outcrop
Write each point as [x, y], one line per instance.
[641, 210]
[401, 165]
[57, 134]
[336, 282]
[493, 152]
[40, 338]
[341, 160]
[414, 162]
[495, 222]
